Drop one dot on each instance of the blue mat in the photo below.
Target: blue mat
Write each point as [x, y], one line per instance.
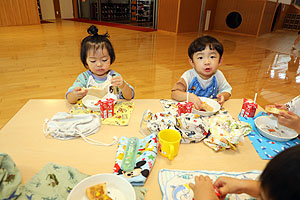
[265, 147]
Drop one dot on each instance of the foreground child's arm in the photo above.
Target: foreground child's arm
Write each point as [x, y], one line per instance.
[289, 119]
[120, 83]
[228, 185]
[76, 94]
[203, 188]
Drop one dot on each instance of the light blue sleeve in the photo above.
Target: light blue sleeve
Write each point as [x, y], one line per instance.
[81, 81]
[223, 85]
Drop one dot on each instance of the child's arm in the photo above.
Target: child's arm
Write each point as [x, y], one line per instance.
[120, 83]
[290, 120]
[228, 185]
[179, 94]
[203, 188]
[76, 94]
[222, 97]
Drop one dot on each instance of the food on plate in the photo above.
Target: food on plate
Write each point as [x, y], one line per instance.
[97, 92]
[97, 192]
[207, 107]
[274, 110]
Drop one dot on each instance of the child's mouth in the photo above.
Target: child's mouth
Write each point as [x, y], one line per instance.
[207, 69]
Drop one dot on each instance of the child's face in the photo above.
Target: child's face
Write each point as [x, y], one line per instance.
[206, 62]
[98, 61]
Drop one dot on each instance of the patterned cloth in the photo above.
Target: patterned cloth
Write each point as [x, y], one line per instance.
[225, 132]
[52, 182]
[265, 147]
[174, 184]
[10, 178]
[221, 130]
[122, 112]
[145, 159]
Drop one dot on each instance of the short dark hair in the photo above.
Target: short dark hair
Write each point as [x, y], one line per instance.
[200, 44]
[281, 177]
[96, 41]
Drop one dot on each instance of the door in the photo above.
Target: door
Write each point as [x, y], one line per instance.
[57, 9]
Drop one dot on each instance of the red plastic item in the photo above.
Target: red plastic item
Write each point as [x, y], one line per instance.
[106, 108]
[185, 107]
[248, 108]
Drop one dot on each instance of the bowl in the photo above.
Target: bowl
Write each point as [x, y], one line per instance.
[214, 104]
[89, 101]
[117, 187]
[268, 127]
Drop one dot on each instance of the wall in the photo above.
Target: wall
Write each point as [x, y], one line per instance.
[250, 11]
[189, 16]
[268, 17]
[18, 12]
[212, 6]
[66, 9]
[47, 9]
[167, 15]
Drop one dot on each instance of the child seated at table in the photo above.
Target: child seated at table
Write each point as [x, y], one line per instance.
[97, 55]
[204, 80]
[290, 119]
[279, 180]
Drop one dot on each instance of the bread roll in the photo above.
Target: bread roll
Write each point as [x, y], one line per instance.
[274, 110]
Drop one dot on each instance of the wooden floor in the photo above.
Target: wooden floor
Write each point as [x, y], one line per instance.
[42, 62]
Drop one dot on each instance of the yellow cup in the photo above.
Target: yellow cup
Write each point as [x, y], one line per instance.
[169, 141]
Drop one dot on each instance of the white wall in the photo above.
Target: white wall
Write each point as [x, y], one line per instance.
[47, 9]
[66, 9]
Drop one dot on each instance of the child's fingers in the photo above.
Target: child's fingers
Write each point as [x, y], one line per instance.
[192, 186]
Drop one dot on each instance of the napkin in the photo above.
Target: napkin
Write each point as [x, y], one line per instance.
[174, 184]
[145, 159]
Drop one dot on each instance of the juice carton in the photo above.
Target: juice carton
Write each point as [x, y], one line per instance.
[184, 107]
[249, 108]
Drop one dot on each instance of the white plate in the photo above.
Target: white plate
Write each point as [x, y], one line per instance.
[214, 104]
[266, 125]
[89, 101]
[118, 188]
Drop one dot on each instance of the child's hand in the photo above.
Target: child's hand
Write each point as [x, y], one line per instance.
[227, 185]
[290, 120]
[79, 92]
[203, 188]
[196, 100]
[118, 81]
[221, 99]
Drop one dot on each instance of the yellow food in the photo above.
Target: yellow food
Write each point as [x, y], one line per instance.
[97, 192]
[207, 107]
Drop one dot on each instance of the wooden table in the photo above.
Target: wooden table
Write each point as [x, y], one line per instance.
[23, 139]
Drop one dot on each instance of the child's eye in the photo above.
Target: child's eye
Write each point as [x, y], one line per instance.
[212, 56]
[104, 60]
[200, 57]
[92, 61]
